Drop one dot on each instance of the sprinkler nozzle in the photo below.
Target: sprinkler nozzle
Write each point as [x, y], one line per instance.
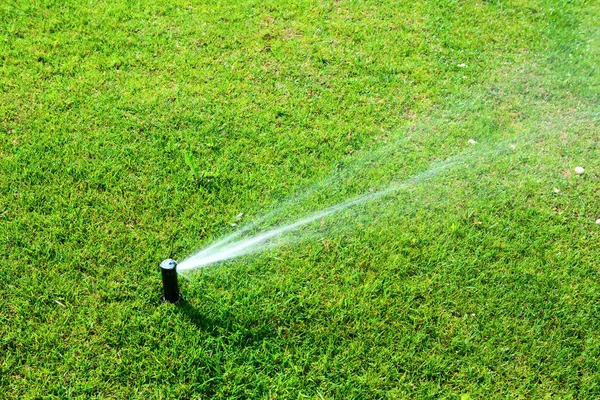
[168, 268]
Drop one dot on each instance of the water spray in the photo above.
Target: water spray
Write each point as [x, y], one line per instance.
[249, 239]
[233, 246]
[168, 268]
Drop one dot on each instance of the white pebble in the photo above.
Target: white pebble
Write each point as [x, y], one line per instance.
[579, 170]
[471, 141]
[556, 190]
[598, 221]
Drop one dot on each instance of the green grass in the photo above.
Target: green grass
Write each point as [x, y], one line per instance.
[133, 132]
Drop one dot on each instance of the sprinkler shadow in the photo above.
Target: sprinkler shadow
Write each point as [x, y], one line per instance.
[194, 316]
[244, 333]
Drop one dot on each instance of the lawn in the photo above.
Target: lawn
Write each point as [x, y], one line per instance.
[135, 131]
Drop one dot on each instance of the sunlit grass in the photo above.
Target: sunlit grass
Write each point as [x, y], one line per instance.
[134, 132]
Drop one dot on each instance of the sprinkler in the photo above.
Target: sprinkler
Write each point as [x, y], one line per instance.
[168, 268]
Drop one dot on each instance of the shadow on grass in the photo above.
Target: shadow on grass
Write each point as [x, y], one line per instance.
[241, 332]
[195, 317]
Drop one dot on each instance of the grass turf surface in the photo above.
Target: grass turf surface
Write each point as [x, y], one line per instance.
[486, 286]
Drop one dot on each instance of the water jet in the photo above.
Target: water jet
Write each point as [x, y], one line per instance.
[168, 269]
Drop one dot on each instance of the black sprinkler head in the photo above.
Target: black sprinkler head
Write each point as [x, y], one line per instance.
[168, 268]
